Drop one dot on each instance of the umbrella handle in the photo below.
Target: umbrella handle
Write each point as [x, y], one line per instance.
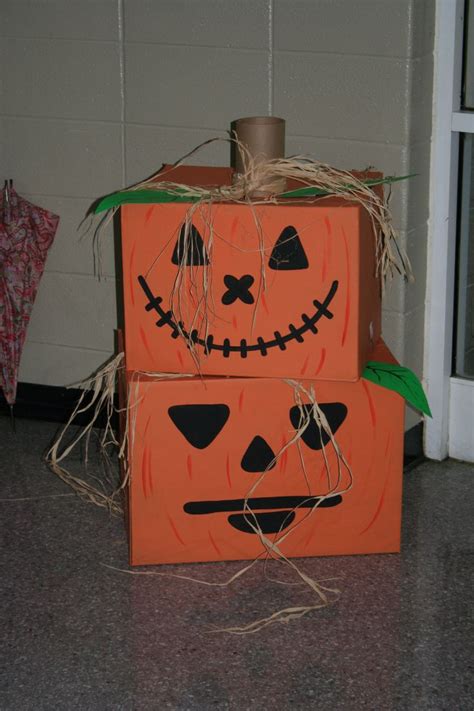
[7, 187]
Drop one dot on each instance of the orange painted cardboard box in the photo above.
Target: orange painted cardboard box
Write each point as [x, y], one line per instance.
[200, 446]
[285, 290]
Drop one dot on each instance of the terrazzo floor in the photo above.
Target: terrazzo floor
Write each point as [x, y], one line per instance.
[76, 634]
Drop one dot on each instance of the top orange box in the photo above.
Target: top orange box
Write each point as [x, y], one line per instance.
[275, 290]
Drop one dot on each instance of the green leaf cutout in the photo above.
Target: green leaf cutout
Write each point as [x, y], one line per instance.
[141, 197]
[150, 195]
[402, 380]
[311, 191]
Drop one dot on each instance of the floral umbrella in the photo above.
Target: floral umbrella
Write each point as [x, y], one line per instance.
[26, 233]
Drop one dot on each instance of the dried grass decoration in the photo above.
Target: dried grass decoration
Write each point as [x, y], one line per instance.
[107, 492]
[317, 181]
[191, 299]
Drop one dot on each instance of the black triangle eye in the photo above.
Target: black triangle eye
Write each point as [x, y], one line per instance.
[199, 424]
[190, 250]
[335, 412]
[288, 252]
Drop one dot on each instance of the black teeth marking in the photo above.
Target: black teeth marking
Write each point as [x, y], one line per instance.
[322, 309]
[166, 318]
[154, 303]
[226, 348]
[295, 333]
[280, 342]
[308, 322]
[262, 346]
[177, 329]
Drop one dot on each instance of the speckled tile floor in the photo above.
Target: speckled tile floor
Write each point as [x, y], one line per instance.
[78, 635]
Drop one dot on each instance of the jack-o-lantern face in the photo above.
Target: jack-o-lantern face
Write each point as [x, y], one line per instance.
[287, 290]
[288, 254]
[203, 448]
[201, 424]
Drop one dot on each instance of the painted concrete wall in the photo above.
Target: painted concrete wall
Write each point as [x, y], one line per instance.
[96, 94]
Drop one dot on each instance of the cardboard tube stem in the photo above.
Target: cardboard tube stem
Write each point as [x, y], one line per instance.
[264, 136]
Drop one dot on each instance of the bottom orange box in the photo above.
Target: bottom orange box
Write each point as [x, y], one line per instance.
[199, 446]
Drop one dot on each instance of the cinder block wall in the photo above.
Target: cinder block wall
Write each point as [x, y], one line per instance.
[96, 94]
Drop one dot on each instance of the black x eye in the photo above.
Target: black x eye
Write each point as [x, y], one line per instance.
[189, 249]
[313, 437]
[288, 252]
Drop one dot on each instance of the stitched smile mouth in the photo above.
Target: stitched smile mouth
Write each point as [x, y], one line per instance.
[267, 521]
[226, 347]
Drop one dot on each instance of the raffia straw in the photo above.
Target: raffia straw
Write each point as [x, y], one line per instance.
[191, 299]
[265, 176]
[324, 595]
[101, 389]
[271, 548]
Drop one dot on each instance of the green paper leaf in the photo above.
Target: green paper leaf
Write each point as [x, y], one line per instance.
[311, 191]
[141, 197]
[149, 195]
[401, 380]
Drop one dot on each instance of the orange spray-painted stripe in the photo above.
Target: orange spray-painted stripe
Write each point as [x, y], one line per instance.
[146, 460]
[324, 262]
[382, 497]
[150, 478]
[323, 474]
[311, 535]
[347, 312]
[321, 361]
[305, 366]
[234, 322]
[175, 530]
[145, 342]
[146, 427]
[373, 415]
[284, 455]
[130, 276]
[213, 544]
[144, 472]
[241, 400]
[149, 213]
[227, 468]
[327, 240]
[377, 512]
[264, 303]
[189, 466]
[233, 226]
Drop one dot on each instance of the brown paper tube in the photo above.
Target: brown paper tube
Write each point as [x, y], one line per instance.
[264, 136]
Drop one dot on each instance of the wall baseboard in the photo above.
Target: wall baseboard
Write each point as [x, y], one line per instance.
[48, 402]
[56, 404]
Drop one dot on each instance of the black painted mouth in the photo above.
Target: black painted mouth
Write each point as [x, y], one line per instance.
[226, 347]
[271, 522]
[268, 521]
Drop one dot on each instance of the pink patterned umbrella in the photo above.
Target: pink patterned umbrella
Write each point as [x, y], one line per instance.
[26, 234]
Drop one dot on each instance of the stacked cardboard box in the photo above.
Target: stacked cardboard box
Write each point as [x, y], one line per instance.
[257, 303]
